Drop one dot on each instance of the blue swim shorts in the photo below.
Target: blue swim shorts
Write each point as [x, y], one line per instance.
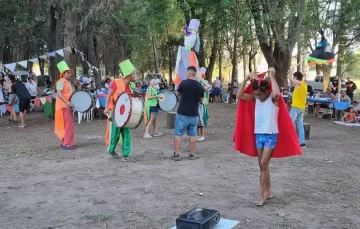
[266, 140]
[187, 123]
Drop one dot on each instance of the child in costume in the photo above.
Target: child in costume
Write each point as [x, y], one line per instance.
[64, 120]
[151, 109]
[114, 134]
[203, 111]
[263, 127]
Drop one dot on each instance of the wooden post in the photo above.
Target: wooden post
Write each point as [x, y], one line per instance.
[170, 121]
[310, 109]
[306, 130]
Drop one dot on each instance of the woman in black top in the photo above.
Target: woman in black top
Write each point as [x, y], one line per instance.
[334, 86]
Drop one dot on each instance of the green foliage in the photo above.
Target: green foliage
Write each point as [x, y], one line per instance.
[352, 65]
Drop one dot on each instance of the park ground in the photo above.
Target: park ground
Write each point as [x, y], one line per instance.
[42, 186]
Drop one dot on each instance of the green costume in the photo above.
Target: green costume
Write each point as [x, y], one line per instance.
[150, 103]
[205, 103]
[121, 136]
[114, 134]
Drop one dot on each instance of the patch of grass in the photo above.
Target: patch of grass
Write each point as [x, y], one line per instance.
[14, 187]
[99, 217]
[99, 202]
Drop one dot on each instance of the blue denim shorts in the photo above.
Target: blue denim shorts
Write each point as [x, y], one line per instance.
[266, 140]
[187, 123]
[154, 110]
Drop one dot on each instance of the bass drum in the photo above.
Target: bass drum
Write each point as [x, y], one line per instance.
[169, 101]
[82, 101]
[128, 111]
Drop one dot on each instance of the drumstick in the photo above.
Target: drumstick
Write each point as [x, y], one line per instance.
[110, 119]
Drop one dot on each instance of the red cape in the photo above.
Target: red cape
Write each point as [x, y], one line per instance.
[244, 137]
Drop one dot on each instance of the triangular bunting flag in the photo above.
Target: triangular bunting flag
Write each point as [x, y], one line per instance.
[49, 98]
[34, 60]
[37, 102]
[51, 54]
[60, 52]
[44, 57]
[23, 63]
[11, 66]
[89, 64]
[43, 100]
[68, 49]
[54, 96]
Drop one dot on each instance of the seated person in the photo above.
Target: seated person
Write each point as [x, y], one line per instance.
[226, 95]
[351, 116]
[327, 95]
[344, 97]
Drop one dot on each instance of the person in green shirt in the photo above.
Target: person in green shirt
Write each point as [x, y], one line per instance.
[151, 109]
[203, 111]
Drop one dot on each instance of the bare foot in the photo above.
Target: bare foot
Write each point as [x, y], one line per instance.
[260, 202]
[268, 196]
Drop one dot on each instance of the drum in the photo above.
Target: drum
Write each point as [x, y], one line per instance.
[168, 103]
[82, 101]
[128, 111]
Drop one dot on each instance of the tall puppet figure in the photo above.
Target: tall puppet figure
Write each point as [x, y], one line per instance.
[203, 111]
[186, 56]
[322, 54]
[64, 120]
[263, 127]
[114, 134]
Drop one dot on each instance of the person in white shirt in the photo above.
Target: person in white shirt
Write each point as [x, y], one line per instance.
[31, 85]
[266, 126]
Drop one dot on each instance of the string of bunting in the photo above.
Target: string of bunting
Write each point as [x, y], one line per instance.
[24, 63]
[37, 101]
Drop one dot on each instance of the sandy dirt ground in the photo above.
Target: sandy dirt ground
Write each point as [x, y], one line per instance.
[42, 186]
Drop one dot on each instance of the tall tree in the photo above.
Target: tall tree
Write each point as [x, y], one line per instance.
[277, 26]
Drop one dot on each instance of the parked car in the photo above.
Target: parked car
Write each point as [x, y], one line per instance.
[22, 76]
[317, 83]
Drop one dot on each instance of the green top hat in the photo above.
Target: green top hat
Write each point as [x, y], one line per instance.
[126, 67]
[62, 66]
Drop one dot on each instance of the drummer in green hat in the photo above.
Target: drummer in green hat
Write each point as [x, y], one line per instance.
[114, 134]
[64, 120]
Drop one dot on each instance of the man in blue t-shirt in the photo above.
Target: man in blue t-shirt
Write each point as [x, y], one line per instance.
[187, 117]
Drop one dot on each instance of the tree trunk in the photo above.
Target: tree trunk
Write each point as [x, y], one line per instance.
[8, 51]
[234, 57]
[70, 33]
[318, 70]
[94, 58]
[155, 54]
[54, 39]
[220, 64]
[326, 69]
[212, 59]
[42, 66]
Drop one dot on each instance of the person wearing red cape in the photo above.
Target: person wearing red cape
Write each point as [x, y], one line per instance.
[263, 127]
